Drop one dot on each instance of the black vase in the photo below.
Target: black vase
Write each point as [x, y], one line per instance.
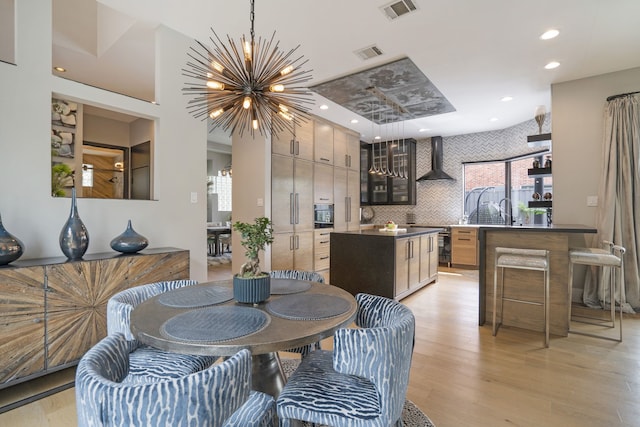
[74, 237]
[10, 247]
[129, 242]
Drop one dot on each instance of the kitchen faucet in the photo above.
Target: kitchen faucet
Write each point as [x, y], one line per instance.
[508, 213]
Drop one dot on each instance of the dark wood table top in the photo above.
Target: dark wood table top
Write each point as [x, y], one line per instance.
[151, 321]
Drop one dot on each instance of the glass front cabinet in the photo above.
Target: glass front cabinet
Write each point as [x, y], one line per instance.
[388, 173]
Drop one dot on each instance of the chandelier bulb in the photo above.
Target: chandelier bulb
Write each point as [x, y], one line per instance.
[212, 84]
[285, 115]
[247, 102]
[217, 66]
[216, 113]
[246, 47]
[286, 70]
[255, 124]
[276, 88]
[283, 107]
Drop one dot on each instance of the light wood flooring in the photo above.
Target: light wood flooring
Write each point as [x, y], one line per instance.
[463, 376]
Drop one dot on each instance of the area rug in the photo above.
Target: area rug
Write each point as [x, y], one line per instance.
[412, 416]
[222, 259]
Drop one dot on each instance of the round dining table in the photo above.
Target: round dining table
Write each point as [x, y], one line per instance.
[204, 319]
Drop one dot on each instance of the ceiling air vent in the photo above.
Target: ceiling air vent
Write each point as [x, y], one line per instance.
[369, 52]
[398, 8]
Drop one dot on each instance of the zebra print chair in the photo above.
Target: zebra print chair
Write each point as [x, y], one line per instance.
[363, 382]
[219, 395]
[148, 364]
[310, 276]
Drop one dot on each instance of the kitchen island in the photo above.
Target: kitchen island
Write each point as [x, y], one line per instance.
[392, 264]
[555, 238]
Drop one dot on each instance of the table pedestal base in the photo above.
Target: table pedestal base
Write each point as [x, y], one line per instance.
[268, 376]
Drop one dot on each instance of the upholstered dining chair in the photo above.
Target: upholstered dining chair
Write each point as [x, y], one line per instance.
[363, 382]
[219, 395]
[148, 364]
[310, 276]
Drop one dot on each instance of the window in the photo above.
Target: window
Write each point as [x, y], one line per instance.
[498, 192]
[87, 175]
[221, 185]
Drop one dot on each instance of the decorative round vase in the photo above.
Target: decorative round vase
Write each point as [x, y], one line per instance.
[10, 247]
[252, 291]
[74, 237]
[129, 242]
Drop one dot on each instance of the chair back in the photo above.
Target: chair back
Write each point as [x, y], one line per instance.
[208, 397]
[380, 351]
[120, 305]
[310, 276]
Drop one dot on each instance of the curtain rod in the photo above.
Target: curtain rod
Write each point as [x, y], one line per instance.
[612, 97]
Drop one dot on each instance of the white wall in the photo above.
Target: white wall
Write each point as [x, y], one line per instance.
[27, 208]
[577, 131]
[251, 184]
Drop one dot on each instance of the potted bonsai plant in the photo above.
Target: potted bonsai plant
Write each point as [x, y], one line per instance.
[252, 285]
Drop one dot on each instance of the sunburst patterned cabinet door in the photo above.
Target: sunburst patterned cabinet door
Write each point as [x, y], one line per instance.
[170, 265]
[21, 322]
[77, 294]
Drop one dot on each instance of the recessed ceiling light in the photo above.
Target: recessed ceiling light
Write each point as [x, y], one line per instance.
[324, 107]
[549, 34]
[551, 65]
[506, 98]
[424, 130]
[493, 119]
[354, 121]
[378, 137]
[60, 69]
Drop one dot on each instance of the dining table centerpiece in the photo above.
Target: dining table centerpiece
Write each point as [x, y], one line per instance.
[251, 284]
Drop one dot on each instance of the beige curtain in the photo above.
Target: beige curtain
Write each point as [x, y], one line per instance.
[617, 217]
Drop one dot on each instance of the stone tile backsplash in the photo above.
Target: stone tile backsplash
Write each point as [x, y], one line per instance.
[440, 202]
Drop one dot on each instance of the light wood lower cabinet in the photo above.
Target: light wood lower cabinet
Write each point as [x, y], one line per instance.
[428, 257]
[464, 246]
[52, 311]
[407, 264]
[321, 249]
[292, 251]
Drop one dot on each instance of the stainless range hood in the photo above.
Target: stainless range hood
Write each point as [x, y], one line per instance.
[436, 171]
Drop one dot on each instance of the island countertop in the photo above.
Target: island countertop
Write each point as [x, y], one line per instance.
[375, 232]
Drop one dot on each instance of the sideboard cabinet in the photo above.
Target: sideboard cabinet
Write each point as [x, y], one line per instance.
[53, 310]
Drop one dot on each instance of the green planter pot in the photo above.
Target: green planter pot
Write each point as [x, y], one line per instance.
[253, 290]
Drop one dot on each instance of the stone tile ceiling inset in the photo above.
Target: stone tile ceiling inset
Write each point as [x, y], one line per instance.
[401, 81]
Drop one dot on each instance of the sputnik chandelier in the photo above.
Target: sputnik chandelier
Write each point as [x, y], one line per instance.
[253, 86]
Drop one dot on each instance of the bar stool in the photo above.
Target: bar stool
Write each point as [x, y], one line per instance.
[523, 259]
[609, 257]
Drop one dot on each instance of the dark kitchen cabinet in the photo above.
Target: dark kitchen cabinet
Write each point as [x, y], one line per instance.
[398, 157]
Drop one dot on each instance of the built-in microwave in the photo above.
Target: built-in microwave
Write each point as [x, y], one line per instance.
[323, 215]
